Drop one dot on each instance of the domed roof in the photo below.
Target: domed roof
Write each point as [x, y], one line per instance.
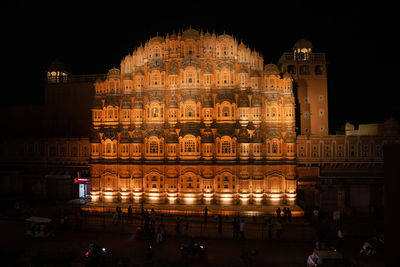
[138, 102]
[137, 136]
[127, 76]
[225, 36]
[94, 137]
[271, 69]
[172, 101]
[287, 75]
[243, 101]
[256, 101]
[172, 36]
[244, 136]
[302, 43]
[257, 136]
[207, 136]
[225, 96]
[56, 65]
[97, 104]
[157, 39]
[208, 101]
[190, 34]
[125, 138]
[126, 103]
[172, 137]
[114, 73]
[111, 101]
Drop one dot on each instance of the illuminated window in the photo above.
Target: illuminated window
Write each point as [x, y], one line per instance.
[190, 146]
[154, 112]
[274, 147]
[189, 111]
[304, 70]
[319, 70]
[226, 147]
[225, 112]
[153, 147]
[108, 148]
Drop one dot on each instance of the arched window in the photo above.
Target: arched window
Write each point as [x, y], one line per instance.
[108, 148]
[291, 69]
[190, 146]
[154, 112]
[274, 147]
[319, 70]
[226, 147]
[189, 111]
[153, 147]
[225, 111]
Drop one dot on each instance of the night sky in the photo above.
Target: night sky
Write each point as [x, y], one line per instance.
[93, 37]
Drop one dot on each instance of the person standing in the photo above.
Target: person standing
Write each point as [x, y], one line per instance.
[278, 213]
[340, 238]
[130, 214]
[269, 229]
[235, 228]
[219, 224]
[177, 226]
[241, 229]
[289, 214]
[278, 229]
[205, 214]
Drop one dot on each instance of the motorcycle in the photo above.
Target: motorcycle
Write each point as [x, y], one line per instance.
[193, 250]
[95, 255]
[367, 249]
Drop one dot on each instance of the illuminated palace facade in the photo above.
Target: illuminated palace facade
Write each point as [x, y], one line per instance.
[193, 118]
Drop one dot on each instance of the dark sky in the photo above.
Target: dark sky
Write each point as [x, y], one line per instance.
[93, 36]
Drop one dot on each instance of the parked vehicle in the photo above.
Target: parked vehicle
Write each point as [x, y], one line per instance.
[39, 227]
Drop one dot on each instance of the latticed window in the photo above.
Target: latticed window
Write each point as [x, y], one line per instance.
[153, 147]
[274, 147]
[154, 112]
[108, 148]
[190, 146]
[226, 147]
[189, 111]
[225, 112]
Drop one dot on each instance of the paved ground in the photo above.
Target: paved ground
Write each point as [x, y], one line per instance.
[68, 246]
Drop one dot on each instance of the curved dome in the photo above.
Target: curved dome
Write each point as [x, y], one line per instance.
[287, 75]
[157, 39]
[114, 73]
[243, 101]
[256, 101]
[271, 69]
[302, 43]
[190, 34]
[56, 65]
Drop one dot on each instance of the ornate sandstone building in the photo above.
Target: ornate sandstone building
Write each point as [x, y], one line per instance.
[194, 117]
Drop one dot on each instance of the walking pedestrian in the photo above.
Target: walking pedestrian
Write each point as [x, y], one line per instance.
[269, 225]
[284, 213]
[205, 214]
[278, 229]
[130, 215]
[289, 214]
[152, 216]
[159, 234]
[177, 226]
[340, 238]
[186, 227]
[242, 225]
[235, 228]
[219, 224]
[115, 217]
[278, 213]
